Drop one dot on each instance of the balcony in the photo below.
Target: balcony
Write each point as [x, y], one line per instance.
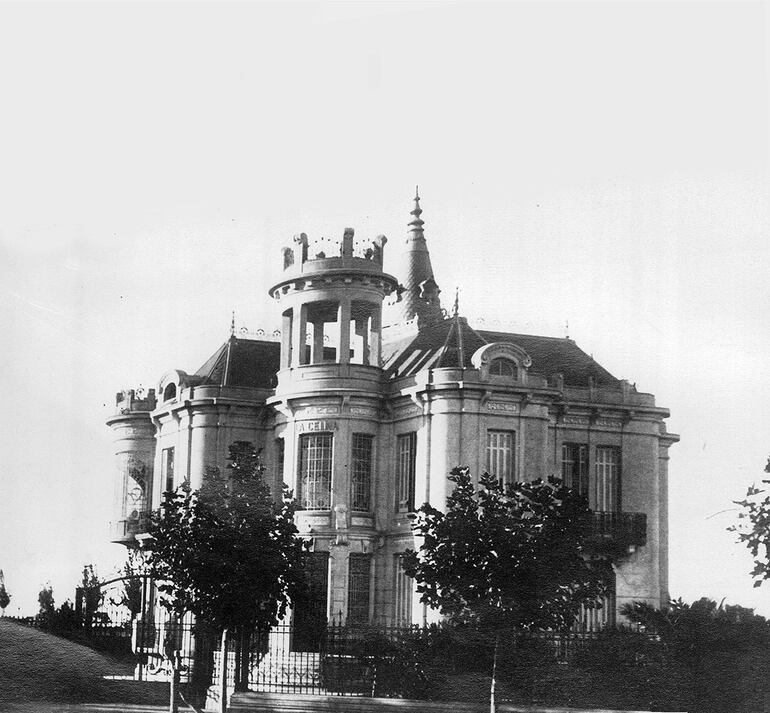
[616, 533]
[123, 532]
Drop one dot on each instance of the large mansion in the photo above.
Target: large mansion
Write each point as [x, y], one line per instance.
[366, 398]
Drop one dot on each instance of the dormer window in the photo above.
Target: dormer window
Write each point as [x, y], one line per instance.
[503, 367]
[169, 392]
[502, 362]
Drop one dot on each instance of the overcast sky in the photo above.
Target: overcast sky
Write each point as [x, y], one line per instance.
[604, 164]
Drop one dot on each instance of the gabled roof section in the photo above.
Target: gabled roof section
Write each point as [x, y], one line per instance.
[452, 343]
[247, 363]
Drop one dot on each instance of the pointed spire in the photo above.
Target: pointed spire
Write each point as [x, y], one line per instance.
[459, 329]
[420, 297]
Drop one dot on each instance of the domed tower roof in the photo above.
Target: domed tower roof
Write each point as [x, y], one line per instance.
[420, 298]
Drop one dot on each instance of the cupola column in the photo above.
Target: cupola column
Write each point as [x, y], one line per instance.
[317, 355]
[299, 336]
[375, 338]
[286, 339]
[343, 316]
[362, 331]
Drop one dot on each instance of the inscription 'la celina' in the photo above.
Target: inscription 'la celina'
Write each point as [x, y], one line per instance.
[316, 425]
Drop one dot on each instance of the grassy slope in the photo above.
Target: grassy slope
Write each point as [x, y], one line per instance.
[35, 666]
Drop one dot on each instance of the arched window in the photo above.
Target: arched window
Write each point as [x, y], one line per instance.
[169, 392]
[503, 367]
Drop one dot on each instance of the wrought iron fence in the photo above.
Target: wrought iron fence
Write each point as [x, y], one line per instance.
[376, 660]
[332, 659]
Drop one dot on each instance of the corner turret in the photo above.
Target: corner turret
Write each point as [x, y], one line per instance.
[134, 437]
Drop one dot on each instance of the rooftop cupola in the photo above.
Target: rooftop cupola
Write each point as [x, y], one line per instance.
[420, 298]
[331, 294]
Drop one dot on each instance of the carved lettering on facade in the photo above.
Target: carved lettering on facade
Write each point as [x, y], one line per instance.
[316, 426]
[361, 411]
[408, 411]
[609, 422]
[321, 411]
[502, 406]
[576, 420]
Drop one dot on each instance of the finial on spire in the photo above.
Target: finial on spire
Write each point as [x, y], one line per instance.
[232, 325]
[415, 226]
[456, 312]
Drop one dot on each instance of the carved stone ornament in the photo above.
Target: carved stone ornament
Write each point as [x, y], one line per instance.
[341, 523]
[501, 350]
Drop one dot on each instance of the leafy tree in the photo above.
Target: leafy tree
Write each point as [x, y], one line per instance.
[47, 607]
[506, 555]
[5, 598]
[229, 552]
[92, 594]
[753, 530]
[65, 619]
[715, 654]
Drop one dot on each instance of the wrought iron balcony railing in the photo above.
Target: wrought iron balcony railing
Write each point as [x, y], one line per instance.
[617, 531]
[126, 529]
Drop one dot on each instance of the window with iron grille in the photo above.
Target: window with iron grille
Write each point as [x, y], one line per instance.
[402, 591]
[406, 451]
[358, 588]
[361, 475]
[167, 469]
[574, 467]
[607, 479]
[598, 618]
[315, 470]
[500, 455]
[311, 603]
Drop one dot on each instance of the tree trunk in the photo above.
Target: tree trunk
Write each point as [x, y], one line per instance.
[203, 661]
[242, 656]
[223, 675]
[494, 673]
[173, 705]
[238, 636]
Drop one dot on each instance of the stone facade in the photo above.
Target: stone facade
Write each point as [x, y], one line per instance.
[371, 397]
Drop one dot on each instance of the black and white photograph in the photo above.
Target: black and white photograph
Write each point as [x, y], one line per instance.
[385, 355]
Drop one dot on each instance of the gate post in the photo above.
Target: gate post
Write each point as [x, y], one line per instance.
[223, 675]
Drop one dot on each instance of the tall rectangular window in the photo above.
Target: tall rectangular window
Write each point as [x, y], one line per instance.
[500, 455]
[607, 479]
[406, 451]
[598, 618]
[310, 604]
[315, 471]
[167, 469]
[402, 595]
[361, 475]
[358, 588]
[574, 467]
[279, 453]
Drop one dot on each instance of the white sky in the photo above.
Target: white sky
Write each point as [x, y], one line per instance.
[602, 163]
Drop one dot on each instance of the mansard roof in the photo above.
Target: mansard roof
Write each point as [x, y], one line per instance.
[243, 362]
[452, 342]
